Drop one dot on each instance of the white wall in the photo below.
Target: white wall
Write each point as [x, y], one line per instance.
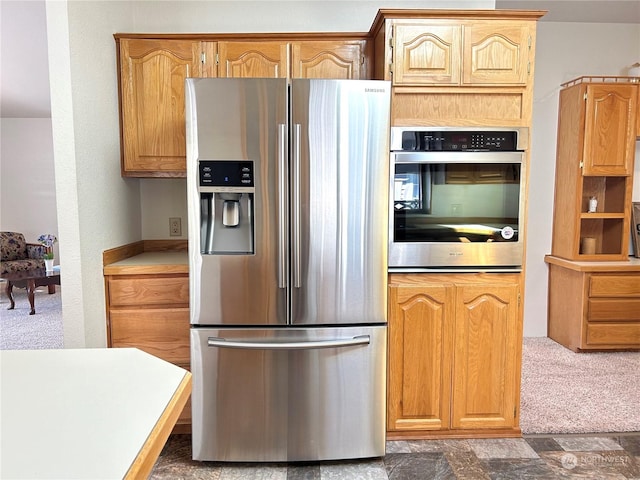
[564, 51]
[97, 208]
[27, 181]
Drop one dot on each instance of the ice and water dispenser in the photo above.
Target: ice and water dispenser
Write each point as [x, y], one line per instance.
[226, 207]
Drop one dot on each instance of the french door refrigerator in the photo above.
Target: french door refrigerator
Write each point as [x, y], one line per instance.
[287, 184]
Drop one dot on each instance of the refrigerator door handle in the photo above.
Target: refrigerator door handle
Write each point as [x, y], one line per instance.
[253, 345]
[282, 206]
[296, 205]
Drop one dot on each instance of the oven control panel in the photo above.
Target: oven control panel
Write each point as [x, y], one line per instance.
[459, 140]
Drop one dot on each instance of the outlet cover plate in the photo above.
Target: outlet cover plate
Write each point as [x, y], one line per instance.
[175, 226]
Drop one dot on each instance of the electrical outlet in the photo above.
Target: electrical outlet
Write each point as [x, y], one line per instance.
[175, 226]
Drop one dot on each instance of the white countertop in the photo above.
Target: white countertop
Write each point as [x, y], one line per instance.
[82, 414]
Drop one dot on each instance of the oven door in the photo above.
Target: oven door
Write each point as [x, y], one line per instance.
[456, 210]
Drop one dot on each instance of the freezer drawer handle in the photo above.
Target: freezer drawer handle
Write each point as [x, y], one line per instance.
[338, 342]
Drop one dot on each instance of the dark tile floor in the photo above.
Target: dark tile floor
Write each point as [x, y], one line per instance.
[596, 457]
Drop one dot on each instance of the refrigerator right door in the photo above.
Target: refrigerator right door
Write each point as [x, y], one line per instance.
[339, 200]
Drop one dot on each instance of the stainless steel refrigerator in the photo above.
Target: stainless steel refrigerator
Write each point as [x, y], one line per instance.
[287, 184]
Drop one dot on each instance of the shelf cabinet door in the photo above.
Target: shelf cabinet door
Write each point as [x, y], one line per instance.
[426, 53]
[420, 343]
[152, 74]
[486, 357]
[253, 59]
[328, 59]
[610, 123]
[497, 52]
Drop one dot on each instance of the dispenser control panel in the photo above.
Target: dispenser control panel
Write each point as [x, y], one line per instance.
[226, 176]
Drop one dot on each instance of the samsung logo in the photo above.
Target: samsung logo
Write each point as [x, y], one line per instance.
[374, 90]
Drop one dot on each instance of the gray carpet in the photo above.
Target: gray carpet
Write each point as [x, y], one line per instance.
[21, 331]
[567, 392]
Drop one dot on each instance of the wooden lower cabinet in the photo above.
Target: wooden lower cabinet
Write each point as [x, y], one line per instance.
[594, 305]
[151, 312]
[454, 355]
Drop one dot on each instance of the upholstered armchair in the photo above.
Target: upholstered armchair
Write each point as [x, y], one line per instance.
[18, 255]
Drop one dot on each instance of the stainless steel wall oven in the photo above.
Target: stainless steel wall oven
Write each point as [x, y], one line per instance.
[457, 198]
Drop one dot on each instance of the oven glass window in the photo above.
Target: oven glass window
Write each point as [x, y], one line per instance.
[456, 202]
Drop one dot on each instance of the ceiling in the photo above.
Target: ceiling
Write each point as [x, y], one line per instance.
[24, 77]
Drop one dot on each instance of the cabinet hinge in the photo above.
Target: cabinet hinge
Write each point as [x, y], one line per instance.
[203, 58]
[217, 59]
[529, 41]
[362, 59]
[518, 299]
[585, 96]
[528, 68]
[581, 164]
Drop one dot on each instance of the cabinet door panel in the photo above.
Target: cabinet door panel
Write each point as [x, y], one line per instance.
[426, 53]
[419, 351]
[330, 59]
[609, 145]
[152, 91]
[485, 363]
[496, 53]
[253, 59]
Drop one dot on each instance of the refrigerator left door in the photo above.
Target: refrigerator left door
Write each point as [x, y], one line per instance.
[293, 394]
[237, 131]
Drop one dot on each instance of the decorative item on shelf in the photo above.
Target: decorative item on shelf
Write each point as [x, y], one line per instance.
[593, 205]
[634, 70]
[48, 240]
[588, 246]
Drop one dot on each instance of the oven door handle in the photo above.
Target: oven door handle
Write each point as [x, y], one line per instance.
[270, 345]
[457, 157]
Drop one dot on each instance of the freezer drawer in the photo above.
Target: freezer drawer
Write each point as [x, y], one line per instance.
[288, 394]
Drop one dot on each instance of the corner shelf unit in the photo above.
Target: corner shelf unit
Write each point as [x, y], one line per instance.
[595, 156]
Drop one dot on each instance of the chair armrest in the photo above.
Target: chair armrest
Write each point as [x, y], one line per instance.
[35, 250]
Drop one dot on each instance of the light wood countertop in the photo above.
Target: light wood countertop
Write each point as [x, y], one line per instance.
[633, 265]
[152, 257]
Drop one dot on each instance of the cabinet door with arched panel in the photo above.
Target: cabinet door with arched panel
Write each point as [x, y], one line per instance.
[497, 52]
[426, 52]
[420, 349]
[340, 59]
[260, 59]
[152, 74]
[486, 358]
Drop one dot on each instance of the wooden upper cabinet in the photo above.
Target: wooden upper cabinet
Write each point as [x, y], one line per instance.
[253, 59]
[610, 126]
[463, 53]
[427, 53]
[152, 75]
[497, 52]
[328, 59]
